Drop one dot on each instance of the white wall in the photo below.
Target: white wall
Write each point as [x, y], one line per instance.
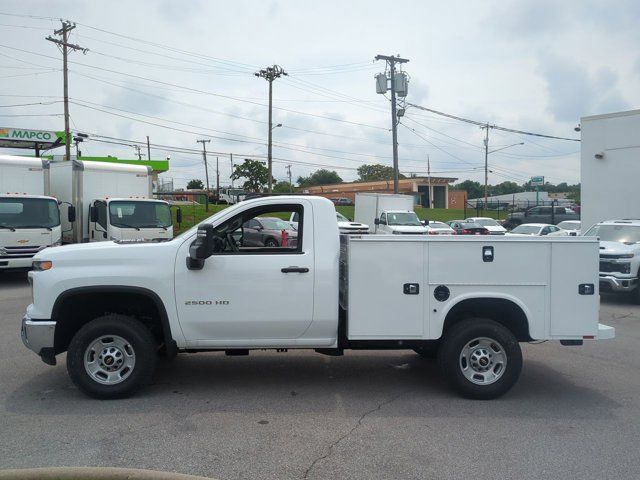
[611, 185]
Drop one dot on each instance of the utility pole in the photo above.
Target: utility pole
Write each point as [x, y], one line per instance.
[217, 180]
[231, 160]
[429, 182]
[486, 163]
[67, 26]
[288, 167]
[138, 148]
[148, 149]
[206, 169]
[270, 74]
[391, 61]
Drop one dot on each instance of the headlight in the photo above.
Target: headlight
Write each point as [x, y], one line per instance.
[42, 265]
[625, 268]
[57, 243]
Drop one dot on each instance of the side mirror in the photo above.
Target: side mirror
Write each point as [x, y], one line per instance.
[71, 214]
[179, 215]
[425, 222]
[202, 248]
[93, 213]
[376, 221]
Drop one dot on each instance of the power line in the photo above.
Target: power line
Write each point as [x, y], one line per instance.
[480, 124]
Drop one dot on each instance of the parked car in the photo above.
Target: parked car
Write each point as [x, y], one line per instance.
[568, 228]
[268, 232]
[541, 214]
[489, 223]
[619, 256]
[342, 202]
[438, 228]
[462, 227]
[345, 226]
[533, 229]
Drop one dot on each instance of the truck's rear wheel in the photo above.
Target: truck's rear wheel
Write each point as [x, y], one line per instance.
[480, 358]
[111, 356]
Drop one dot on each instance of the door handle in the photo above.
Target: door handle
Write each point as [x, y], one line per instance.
[294, 270]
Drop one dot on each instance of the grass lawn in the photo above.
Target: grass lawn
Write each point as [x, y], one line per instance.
[194, 214]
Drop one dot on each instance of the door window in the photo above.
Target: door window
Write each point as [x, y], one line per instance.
[383, 219]
[101, 210]
[261, 230]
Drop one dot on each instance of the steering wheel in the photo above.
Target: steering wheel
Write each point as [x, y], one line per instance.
[232, 242]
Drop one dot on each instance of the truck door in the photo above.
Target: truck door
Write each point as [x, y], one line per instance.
[248, 295]
[98, 228]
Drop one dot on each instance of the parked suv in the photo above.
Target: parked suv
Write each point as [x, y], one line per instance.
[619, 255]
[541, 214]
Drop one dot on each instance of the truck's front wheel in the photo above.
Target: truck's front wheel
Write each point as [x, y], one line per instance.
[111, 356]
[480, 358]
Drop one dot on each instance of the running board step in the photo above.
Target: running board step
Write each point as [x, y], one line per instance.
[332, 352]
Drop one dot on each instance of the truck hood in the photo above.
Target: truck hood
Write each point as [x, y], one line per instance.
[616, 248]
[151, 233]
[29, 237]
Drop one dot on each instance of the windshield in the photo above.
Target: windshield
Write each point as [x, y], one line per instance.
[526, 229]
[275, 224]
[403, 219]
[615, 233]
[487, 222]
[137, 214]
[16, 212]
[341, 218]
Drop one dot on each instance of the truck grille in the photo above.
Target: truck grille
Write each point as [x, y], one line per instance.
[19, 252]
[609, 267]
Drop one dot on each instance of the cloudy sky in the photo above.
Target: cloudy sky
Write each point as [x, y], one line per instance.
[179, 71]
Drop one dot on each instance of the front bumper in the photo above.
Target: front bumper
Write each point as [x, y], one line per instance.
[609, 283]
[8, 263]
[38, 336]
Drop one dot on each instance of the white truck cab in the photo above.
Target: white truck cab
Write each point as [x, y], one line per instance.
[399, 222]
[112, 306]
[129, 219]
[29, 216]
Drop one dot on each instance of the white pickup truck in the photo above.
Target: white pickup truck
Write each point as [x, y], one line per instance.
[113, 306]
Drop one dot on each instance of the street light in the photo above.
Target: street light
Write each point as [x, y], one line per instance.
[276, 126]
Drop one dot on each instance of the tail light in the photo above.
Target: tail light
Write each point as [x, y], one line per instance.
[465, 232]
[454, 232]
[431, 232]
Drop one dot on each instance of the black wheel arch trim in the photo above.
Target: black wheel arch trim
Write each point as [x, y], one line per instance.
[170, 343]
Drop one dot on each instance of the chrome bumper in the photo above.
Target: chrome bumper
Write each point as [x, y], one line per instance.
[609, 283]
[38, 336]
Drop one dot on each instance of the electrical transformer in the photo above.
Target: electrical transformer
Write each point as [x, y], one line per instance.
[401, 84]
[381, 83]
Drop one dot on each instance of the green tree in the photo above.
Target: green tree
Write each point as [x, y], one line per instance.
[473, 189]
[254, 173]
[195, 184]
[282, 187]
[373, 173]
[505, 188]
[320, 177]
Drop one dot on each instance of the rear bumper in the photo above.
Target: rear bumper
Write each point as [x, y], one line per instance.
[38, 336]
[609, 283]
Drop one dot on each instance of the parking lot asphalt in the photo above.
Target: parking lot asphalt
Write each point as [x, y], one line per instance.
[575, 413]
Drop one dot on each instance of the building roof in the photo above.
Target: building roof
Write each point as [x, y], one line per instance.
[377, 185]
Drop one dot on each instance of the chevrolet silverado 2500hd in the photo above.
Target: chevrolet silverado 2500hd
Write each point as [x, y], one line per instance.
[113, 306]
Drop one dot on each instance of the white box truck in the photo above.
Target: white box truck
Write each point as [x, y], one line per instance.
[468, 300]
[29, 216]
[111, 201]
[388, 214]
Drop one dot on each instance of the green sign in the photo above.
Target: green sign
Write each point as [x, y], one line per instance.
[25, 138]
[537, 181]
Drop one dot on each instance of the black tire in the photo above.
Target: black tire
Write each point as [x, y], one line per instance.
[139, 340]
[271, 243]
[452, 365]
[429, 350]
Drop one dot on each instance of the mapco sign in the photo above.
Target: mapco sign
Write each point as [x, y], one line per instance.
[537, 181]
[24, 138]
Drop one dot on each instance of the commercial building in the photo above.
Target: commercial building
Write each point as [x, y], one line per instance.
[422, 188]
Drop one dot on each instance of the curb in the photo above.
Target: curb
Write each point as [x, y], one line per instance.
[92, 473]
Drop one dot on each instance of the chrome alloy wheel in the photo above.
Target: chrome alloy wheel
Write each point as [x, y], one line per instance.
[109, 359]
[483, 361]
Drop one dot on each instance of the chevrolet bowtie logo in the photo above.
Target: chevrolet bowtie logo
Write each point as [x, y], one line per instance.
[23, 241]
